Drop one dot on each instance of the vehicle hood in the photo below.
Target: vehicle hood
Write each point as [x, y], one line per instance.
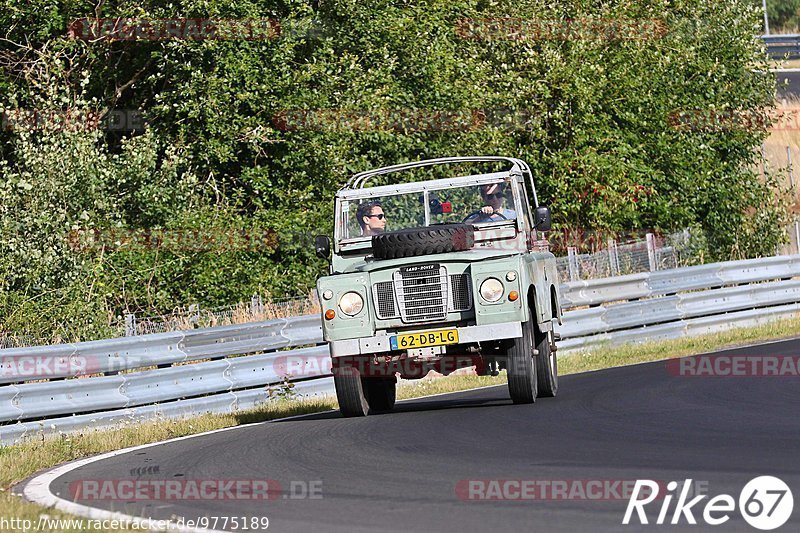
[467, 256]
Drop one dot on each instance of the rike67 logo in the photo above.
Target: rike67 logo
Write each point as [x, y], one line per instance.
[765, 503]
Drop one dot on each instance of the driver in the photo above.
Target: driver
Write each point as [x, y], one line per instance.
[493, 209]
[371, 218]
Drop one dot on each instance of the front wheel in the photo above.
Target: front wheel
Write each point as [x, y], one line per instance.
[546, 365]
[522, 380]
[350, 391]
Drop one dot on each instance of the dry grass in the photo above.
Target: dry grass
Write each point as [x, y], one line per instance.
[786, 134]
[21, 461]
[781, 148]
[600, 358]
[242, 313]
[781, 64]
[453, 383]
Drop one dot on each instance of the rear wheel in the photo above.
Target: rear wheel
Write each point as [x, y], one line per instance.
[522, 381]
[350, 391]
[546, 365]
[380, 392]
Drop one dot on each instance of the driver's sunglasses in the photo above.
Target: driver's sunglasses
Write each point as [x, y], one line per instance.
[490, 196]
[379, 216]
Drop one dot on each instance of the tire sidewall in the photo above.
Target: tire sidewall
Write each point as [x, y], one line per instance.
[521, 368]
[546, 374]
[350, 391]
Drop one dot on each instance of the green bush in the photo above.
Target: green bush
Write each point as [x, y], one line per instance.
[784, 15]
[592, 116]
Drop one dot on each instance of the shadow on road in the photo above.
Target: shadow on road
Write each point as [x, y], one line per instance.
[497, 399]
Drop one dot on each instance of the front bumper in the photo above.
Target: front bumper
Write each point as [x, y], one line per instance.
[466, 335]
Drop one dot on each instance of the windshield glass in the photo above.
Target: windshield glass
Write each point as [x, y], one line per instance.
[492, 203]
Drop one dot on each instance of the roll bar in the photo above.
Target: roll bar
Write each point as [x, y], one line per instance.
[360, 179]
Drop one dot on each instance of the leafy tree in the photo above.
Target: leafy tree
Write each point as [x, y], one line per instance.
[782, 14]
[593, 114]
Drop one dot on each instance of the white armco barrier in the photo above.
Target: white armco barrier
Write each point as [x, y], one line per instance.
[51, 389]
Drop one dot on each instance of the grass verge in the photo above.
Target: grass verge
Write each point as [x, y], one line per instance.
[21, 461]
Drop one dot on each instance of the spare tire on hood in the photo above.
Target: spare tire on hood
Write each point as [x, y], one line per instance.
[414, 242]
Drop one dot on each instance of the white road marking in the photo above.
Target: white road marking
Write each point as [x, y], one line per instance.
[37, 490]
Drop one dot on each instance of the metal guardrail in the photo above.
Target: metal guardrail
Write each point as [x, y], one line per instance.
[159, 349]
[780, 45]
[650, 284]
[629, 315]
[38, 400]
[101, 383]
[227, 402]
[683, 328]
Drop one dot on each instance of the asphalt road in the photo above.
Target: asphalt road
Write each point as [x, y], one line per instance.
[407, 471]
[788, 84]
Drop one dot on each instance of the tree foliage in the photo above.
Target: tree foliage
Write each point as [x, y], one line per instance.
[591, 115]
[783, 15]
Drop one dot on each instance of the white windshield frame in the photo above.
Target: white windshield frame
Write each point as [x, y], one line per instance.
[511, 179]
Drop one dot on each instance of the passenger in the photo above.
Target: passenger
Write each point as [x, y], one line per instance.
[371, 218]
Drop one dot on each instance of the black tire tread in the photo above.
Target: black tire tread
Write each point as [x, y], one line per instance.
[414, 242]
[350, 392]
[547, 380]
[522, 380]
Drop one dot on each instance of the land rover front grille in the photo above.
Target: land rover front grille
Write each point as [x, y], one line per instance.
[422, 294]
[384, 300]
[460, 290]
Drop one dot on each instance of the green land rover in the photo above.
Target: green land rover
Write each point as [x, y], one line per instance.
[439, 274]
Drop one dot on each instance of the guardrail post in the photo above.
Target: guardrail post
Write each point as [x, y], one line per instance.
[194, 314]
[572, 256]
[256, 305]
[797, 235]
[130, 325]
[651, 252]
[791, 185]
[789, 166]
[613, 257]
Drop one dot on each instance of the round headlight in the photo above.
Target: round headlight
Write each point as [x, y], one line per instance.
[491, 289]
[351, 303]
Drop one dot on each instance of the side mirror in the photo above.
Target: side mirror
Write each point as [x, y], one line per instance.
[322, 246]
[541, 218]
